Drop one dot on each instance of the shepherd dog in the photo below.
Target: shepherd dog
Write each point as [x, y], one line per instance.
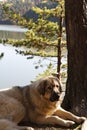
[39, 103]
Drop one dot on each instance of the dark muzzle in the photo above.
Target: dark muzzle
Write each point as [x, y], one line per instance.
[54, 97]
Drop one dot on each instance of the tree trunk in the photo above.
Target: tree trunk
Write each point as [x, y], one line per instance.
[76, 28]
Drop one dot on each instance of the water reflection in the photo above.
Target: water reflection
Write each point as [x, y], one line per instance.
[12, 35]
[12, 31]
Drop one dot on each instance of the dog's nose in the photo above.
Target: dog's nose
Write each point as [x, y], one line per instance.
[55, 97]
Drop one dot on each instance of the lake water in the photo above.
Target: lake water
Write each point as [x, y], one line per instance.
[12, 31]
[15, 69]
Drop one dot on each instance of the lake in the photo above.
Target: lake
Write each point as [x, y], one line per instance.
[16, 69]
[12, 31]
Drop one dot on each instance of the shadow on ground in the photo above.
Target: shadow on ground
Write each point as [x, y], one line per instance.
[50, 127]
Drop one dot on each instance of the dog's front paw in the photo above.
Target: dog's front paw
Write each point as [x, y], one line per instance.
[80, 119]
[69, 123]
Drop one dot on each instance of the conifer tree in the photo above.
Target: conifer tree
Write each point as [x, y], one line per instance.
[43, 34]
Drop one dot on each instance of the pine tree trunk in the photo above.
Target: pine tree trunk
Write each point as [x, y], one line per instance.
[76, 28]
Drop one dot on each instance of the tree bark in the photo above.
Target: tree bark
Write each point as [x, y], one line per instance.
[76, 28]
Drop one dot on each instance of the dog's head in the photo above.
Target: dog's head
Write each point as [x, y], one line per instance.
[50, 88]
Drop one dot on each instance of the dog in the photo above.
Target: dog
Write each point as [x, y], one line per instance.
[37, 103]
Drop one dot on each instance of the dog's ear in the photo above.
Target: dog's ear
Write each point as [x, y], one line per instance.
[42, 87]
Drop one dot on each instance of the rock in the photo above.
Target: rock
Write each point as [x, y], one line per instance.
[84, 125]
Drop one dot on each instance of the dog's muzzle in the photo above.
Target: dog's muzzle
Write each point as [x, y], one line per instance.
[54, 97]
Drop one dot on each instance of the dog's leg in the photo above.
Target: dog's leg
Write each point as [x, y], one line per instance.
[54, 120]
[68, 115]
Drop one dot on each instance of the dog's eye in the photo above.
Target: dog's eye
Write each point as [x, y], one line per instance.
[57, 86]
[49, 88]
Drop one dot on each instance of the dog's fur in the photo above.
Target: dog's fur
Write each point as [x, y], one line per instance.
[37, 103]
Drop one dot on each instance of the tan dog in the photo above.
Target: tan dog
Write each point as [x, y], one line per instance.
[37, 103]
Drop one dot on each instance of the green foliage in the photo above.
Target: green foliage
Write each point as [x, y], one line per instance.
[41, 53]
[16, 6]
[42, 32]
[45, 12]
[43, 35]
[50, 69]
[34, 48]
[43, 28]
